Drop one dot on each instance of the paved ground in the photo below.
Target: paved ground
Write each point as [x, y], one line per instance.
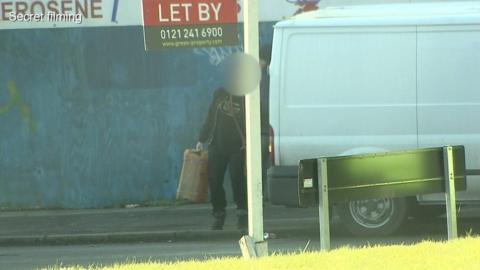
[39, 238]
[27, 257]
[190, 222]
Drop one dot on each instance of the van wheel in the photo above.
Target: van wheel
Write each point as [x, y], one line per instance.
[373, 217]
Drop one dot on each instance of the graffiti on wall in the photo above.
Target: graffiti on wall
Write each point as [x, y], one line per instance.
[17, 102]
[217, 54]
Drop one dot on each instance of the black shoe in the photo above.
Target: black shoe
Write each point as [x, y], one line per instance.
[218, 220]
[242, 220]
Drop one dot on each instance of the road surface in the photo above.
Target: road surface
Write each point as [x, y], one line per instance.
[41, 256]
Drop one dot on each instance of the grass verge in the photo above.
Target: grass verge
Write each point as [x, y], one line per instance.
[457, 254]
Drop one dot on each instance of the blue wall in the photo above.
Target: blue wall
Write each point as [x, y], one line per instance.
[88, 119]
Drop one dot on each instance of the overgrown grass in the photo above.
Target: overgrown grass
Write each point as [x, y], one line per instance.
[459, 255]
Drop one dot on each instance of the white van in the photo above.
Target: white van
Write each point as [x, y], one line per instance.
[350, 80]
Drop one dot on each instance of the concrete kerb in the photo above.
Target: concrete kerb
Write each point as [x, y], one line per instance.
[146, 237]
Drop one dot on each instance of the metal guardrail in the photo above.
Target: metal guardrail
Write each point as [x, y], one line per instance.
[392, 174]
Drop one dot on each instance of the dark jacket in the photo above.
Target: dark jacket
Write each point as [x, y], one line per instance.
[220, 129]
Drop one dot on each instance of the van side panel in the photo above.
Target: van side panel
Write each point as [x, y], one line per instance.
[449, 93]
[346, 88]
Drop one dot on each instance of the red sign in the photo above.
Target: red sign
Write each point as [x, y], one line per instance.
[189, 23]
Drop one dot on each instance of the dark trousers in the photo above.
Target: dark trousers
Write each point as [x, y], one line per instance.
[218, 160]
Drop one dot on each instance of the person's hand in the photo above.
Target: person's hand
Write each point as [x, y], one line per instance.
[199, 146]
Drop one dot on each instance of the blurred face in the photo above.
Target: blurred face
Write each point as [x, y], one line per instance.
[242, 74]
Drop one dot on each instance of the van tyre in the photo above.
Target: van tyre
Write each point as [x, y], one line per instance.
[378, 217]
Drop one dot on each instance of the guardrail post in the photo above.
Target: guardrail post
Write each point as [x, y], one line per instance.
[323, 206]
[450, 192]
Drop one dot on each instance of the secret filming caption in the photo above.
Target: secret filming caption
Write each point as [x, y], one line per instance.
[47, 17]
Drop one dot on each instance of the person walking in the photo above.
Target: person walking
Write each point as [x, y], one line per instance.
[224, 132]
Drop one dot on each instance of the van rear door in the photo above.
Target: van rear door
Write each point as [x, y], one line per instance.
[449, 94]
